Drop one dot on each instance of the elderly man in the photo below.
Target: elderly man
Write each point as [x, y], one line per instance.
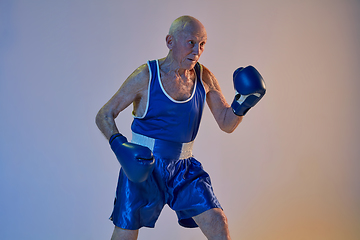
[157, 166]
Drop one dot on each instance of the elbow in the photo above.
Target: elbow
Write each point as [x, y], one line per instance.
[100, 118]
[230, 127]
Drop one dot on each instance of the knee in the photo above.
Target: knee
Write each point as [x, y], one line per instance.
[214, 219]
[120, 233]
[213, 223]
[219, 218]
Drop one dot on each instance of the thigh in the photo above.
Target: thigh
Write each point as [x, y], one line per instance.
[137, 204]
[191, 191]
[213, 223]
[124, 234]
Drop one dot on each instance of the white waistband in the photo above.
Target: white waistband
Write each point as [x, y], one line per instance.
[186, 148]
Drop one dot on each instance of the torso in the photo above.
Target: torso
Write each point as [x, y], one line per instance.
[179, 88]
[174, 107]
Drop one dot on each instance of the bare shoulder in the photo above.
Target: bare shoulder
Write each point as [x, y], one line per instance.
[135, 84]
[209, 80]
[139, 78]
[132, 90]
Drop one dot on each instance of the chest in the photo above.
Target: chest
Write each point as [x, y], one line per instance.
[178, 88]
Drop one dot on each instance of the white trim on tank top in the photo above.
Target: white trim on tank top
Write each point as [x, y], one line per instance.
[148, 95]
[166, 94]
[176, 101]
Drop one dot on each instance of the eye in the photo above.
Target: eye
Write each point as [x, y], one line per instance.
[191, 42]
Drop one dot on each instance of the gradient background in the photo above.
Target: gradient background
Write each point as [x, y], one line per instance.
[291, 169]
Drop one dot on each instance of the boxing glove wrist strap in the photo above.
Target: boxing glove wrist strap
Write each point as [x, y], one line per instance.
[116, 135]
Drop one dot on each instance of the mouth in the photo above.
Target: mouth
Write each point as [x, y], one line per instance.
[192, 60]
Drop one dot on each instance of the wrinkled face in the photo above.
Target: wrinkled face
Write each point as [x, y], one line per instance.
[188, 45]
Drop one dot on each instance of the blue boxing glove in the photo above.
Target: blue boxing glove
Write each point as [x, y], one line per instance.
[249, 87]
[137, 161]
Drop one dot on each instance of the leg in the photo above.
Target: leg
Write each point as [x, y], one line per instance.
[213, 223]
[124, 234]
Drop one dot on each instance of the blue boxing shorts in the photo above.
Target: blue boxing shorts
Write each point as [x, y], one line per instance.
[178, 180]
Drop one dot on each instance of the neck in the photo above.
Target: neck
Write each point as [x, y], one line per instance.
[169, 66]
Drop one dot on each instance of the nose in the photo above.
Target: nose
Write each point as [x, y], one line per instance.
[196, 49]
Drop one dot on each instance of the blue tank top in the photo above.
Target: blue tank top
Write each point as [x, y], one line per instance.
[169, 119]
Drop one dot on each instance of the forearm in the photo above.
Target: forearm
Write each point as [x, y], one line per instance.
[229, 121]
[222, 111]
[106, 123]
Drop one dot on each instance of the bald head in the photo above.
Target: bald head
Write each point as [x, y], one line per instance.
[186, 41]
[186, 24]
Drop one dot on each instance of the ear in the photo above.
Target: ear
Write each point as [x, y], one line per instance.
[169, 41]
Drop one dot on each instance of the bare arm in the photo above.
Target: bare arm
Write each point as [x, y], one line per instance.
[133, 90]
[222, 111]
